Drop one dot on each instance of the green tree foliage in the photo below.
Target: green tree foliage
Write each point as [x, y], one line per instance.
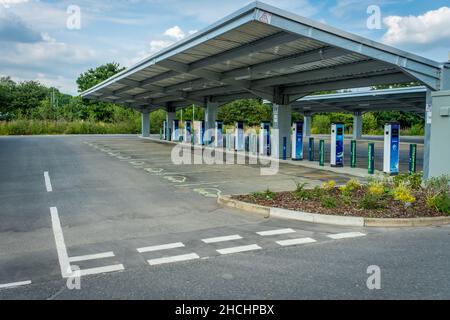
[252, 111]
[93, 77]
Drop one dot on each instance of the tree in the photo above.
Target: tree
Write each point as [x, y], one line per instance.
[251, 111]
[28, 96]
[7, 87]
[93, 77]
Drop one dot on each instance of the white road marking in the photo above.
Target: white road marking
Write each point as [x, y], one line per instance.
[61, 248]
[184, 257]
[161, 247]
[112, 268]
[92, 257]
[48, 183]
[222, 239]
[346, 235]
[293, 242]
[14, 284]
[275, 232]
[202, 184]
[239, 249]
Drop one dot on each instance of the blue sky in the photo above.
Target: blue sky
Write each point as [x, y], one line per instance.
[36, 44]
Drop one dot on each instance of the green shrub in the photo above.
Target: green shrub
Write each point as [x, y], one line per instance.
[370, 123]
[321, 124]
[371, 202]
[329, 202]
[440, 202]
[300, 193]
[414, 181]
[267, 195]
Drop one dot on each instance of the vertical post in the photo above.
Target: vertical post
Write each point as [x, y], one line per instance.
[307, 124]
[371, 158]
[427, 138]
[357, 125]
[284, 148]
[145, 120]
[282, 116]
[322, 153]
[412, 158]
[160, 134]
[353, 154]
[311, 149]
[170, 117]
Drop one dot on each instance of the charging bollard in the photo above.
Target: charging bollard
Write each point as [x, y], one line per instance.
[311, 149]
[284, 148]
[371, 158]
[412, 158]
[353, 154]
[322, 153]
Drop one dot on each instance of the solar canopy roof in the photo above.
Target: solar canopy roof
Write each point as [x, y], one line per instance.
[261, 51]
[411, 99]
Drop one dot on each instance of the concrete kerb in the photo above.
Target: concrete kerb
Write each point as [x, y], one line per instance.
[269, 212]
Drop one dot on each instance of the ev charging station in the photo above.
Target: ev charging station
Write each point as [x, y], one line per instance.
[199, 127]
[187, 131]
[165, 130]
[240, 141]
[176, 132]
[391, 148]
[337, 145]
[264, 139]
[218, 134]
[297, 140]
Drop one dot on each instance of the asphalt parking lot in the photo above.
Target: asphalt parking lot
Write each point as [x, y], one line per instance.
[138, 226]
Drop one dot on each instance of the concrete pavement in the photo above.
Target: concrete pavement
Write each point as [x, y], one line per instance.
[120, 202]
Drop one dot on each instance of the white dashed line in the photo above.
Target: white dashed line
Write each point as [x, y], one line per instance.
[92, 257]
[112, 268]
[48, 183]
[222, 239]
[61, 248]
[239, 249]
[275, 232]
[293, 242]
[14, 284]
[346, 235]
[184, 257]
[161, 247]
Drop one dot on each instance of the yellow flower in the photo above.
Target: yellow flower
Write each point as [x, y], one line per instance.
[403, 193]
[330, 185]
[376, 189]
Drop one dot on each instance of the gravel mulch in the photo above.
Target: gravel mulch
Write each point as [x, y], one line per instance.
[351, 207]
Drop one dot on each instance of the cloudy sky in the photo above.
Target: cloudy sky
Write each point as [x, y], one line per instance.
[42, 40]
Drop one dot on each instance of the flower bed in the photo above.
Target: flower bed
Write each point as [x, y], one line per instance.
[403, 196]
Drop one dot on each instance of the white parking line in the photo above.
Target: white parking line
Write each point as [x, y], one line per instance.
[48, 183]
[14, 284]
[293, 242]
[92, 257]
[275, 232]
[346, 235]
[112, 268]
[161, 247]
[239, 249]
[222, 239]
[61, 248]
[184, 257]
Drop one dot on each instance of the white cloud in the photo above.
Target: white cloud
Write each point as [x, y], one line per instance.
[433, 27]
[8, 3]
[175, 32]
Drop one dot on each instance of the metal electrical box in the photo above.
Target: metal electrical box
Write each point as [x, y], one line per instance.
[440, 134]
